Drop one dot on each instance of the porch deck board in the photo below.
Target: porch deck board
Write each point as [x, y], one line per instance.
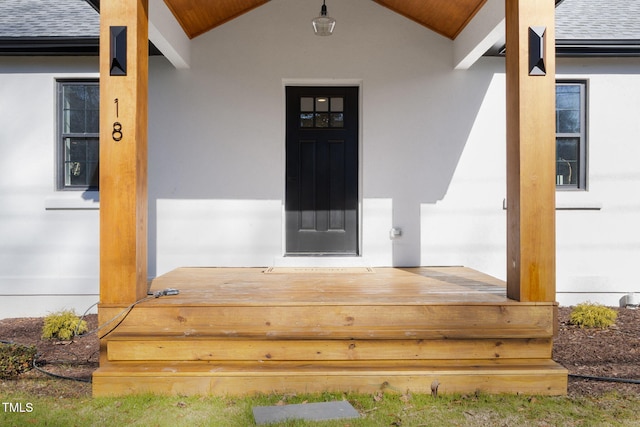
[386, 286]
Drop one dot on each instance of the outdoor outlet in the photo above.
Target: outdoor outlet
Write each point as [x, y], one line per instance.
[394, 233]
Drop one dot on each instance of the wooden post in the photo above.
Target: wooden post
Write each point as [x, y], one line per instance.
[530, 151]
[123, 151]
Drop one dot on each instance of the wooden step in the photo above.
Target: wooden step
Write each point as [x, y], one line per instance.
[438, 321]
[240, 331]
[180, 348]
[529, 376]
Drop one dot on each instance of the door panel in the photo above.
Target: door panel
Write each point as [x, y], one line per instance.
[322, 171]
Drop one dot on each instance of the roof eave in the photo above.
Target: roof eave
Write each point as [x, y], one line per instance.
[577, 48]
[49, 46]
[597, 48]
[55, 46]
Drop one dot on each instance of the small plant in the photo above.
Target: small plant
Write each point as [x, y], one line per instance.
[63, 325]
[15, 359]
[592, 315]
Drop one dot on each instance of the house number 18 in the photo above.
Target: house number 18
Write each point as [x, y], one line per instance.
[117, 126]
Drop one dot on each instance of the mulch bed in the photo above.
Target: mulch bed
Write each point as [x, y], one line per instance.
[75, 360]
[612, 352]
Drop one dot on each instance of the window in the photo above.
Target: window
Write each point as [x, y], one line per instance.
[571, 144]
[78, 135]
[321, 112]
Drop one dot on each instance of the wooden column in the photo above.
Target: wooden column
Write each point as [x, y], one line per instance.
[123, 154]
[530, 153]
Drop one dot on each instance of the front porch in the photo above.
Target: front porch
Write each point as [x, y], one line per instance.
[236, 331]
[241, 331]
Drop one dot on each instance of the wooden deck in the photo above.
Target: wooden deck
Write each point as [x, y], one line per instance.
[242, 331]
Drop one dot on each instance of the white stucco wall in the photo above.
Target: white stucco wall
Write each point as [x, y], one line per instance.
[48, 247]
[432, 158]
[598, 250]
[597, 234]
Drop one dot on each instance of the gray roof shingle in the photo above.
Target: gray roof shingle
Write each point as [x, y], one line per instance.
[598, 20]
[575, 19]
[48, 18]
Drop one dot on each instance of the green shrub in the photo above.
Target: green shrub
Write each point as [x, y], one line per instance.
[15, 359]
[63, 325]
[592, 315]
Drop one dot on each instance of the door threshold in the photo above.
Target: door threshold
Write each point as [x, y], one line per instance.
[320, 261]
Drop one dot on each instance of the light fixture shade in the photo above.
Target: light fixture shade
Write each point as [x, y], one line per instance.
[323, 25]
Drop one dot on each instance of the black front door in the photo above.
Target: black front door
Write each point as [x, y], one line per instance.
[322, 171]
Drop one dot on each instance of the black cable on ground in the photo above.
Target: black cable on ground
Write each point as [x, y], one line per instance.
[124, 313]
[51, 374]
[606, 379]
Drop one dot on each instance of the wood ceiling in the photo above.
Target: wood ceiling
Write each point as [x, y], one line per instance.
[445, 17]
[199, 16]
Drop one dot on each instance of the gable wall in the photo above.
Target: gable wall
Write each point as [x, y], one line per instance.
[224, 144]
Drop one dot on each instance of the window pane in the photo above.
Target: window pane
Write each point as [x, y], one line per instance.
[75, 121]
[75, 160]
[93, 169]
[76, 150]
[322, 120]
[93, 109]
[92, 121]
[93, 97]
[568, 121]
[74, 104]
[306, 104]
[568, 108]
[322, 104]
[337, 120]
[74, 97]
[568, 97]
[306, 120]
[81, 162]
[81, 108]
[93, 150]
[82, 174]
[567, 155]
[337, 104]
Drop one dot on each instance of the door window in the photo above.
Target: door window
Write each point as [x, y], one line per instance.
[321, 112]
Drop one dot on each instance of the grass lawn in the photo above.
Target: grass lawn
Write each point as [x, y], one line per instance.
[28, 407]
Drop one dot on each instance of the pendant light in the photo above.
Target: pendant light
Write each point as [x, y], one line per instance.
[323, 25]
